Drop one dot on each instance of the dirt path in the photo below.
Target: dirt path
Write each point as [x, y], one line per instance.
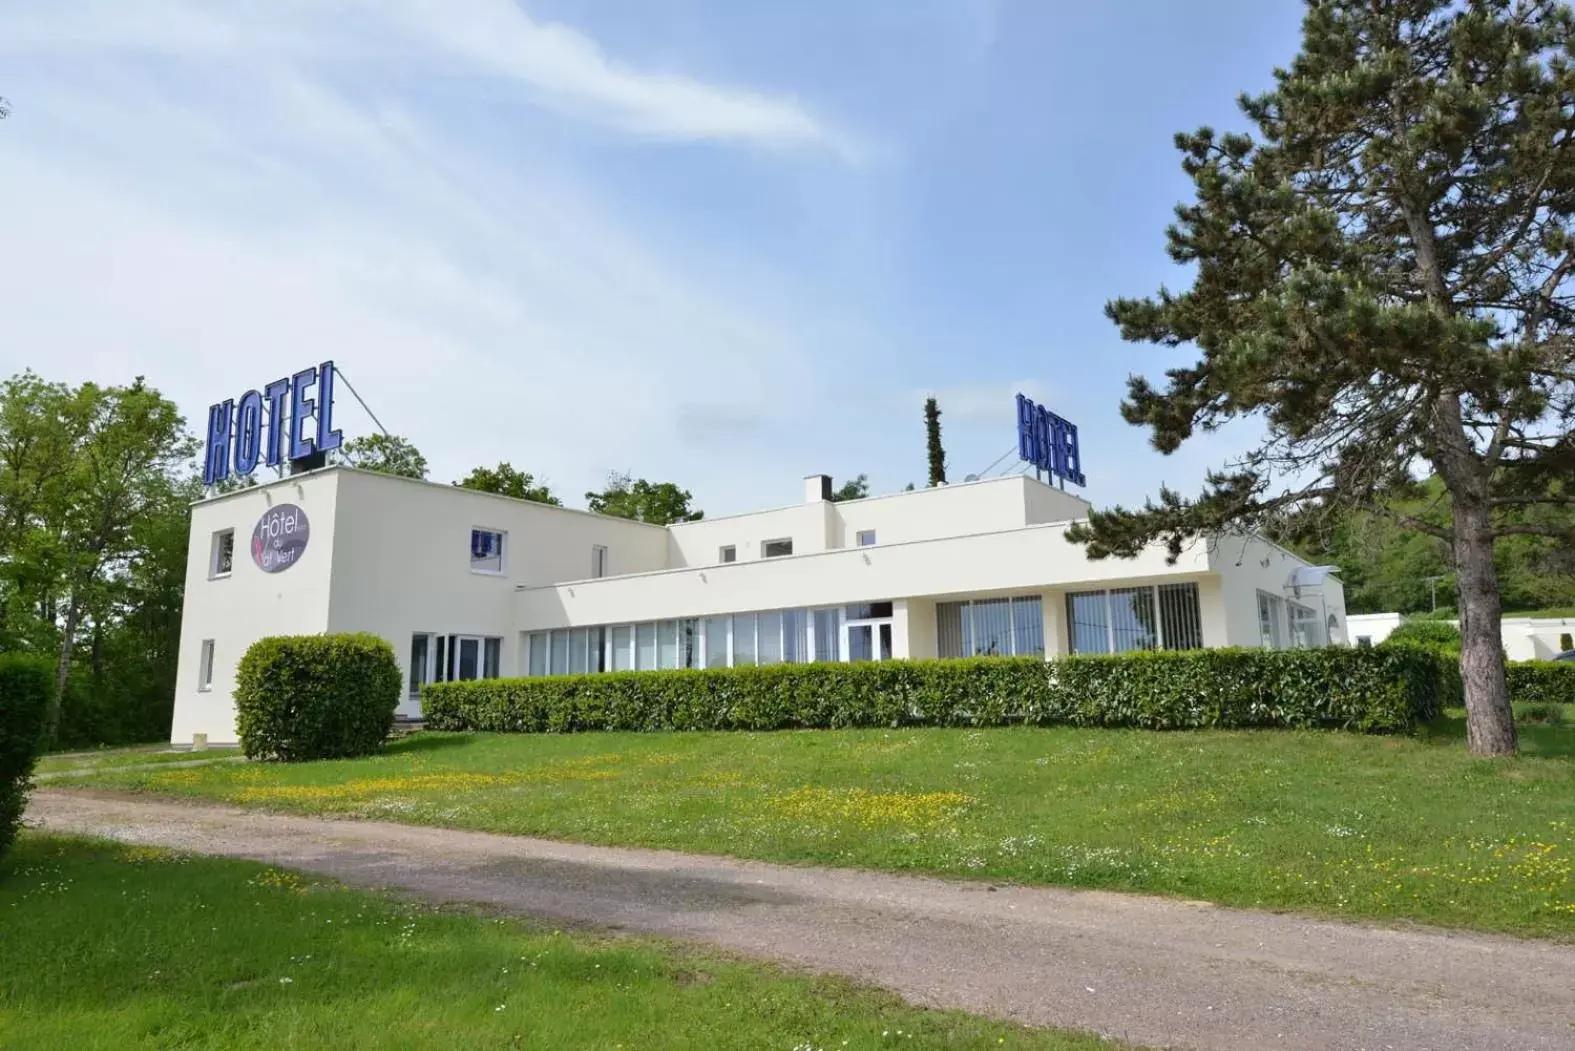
[1147, 970]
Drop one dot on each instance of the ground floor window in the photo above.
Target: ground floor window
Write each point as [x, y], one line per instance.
[447, 658]
[1119, 620]
[738, 640]
[1000, 627]
[1306, 627]
[1271, 615]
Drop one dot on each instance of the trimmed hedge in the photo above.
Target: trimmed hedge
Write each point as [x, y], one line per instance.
[300, 697]
[1542, 681]
[1426, 633]
[1381, 690]
[27, 684]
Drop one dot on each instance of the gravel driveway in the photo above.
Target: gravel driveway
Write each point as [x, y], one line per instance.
[1148, 970]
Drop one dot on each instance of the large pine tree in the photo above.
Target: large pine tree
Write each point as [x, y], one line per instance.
[1383, 280]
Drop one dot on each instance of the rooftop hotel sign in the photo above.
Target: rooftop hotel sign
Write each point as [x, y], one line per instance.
[283, 422]
[1048, 442]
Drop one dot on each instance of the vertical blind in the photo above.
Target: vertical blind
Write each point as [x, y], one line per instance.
[1141, 618]
[990, 627]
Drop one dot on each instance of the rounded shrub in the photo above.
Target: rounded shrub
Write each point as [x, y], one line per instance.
[300, 697]
[26, 685]
[1426, 633]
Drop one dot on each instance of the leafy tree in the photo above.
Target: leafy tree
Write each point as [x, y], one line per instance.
[657, 503]
[853, 489]
[932, 442]
[506, 481]
[388, 453]
[1382, 280]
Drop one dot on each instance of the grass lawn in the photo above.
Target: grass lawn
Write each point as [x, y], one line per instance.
[136, 756]
[1343, 824]
[108, 946]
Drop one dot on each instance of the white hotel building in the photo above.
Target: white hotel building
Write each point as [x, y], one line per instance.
[469, 585]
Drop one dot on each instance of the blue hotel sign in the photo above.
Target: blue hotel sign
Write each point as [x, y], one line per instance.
[273, 426]
[1048, 442]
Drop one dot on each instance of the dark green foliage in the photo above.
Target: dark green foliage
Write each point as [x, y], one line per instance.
[300, 697]
[1566, 642]
[659, 503]
[506, 480]
[854, 489]
[932, 442]
[384, 453]
[1427, 633]
[26, 685]
[1384, 690]
[1542, 681]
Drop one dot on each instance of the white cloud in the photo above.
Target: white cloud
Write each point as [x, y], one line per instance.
[214, 214]
[558, 66]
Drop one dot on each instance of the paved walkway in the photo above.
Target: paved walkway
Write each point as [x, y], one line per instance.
[1147, 970]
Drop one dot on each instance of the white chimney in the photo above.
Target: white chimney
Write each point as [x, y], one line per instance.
[817, 487]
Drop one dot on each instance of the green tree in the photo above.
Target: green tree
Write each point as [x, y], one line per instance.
[506, 481]
[932, 442]
[1382, 279]
[660, 503]
[386, 453]
[853, 489]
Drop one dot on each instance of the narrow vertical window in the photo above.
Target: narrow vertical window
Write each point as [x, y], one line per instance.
[222, 557]
[537, 663]
[598, 561]
[491, 657]
[205, 666]
[420, 647]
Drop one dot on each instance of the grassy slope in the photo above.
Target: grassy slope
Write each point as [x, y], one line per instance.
[114, 947]
[139, 756]
[1336, 823]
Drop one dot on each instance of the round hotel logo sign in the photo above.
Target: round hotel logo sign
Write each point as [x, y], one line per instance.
[280, 538]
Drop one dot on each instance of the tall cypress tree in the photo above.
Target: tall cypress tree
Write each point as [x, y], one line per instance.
[1385, 280]
[932, 441]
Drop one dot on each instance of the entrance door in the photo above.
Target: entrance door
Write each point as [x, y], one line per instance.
[867, 640]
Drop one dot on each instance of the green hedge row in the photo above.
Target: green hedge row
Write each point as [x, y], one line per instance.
[301, 697]
[1542, 681]
[26, 685]
[1381, 689]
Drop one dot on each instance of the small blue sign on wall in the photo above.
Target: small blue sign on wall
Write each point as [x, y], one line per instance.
[272, 426]
[1048, 442]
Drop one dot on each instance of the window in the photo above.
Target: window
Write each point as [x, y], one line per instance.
[1304, 627]
[868, 611]
[578, 640]
[689, 643]
[743, 640]
[645, 647]
[558, 663]
[1271, 614]
[795, 636]
[1144, 618]
[598, 561]
[221, 558]
[205, 666]
[865, 538]
[667, 644]
[491, 657]
[769, 633]
[716, 642]
[776, 548]
[828, 634]
[538, 654]
[486, 551]
[991, 628]
[420, 669]
[622, 648]
[727, 553]
[1364, 642]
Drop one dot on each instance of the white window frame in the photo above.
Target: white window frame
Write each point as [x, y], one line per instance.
[598, 561]
[765, 546]
[859, 538]
[503, 550]
[727, 554]
[214, 572]
[205, 667]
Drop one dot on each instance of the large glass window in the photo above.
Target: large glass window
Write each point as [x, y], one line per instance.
[1133, 625]
[1305, 625]
[560, 653]
[952, 622]
[828, 634]
[716, 642]
[667, 644]
[990, 628]
[1180, 619]
[486, 551]
[743, 640]
[1271, 614]
[622, 648]
[689, 643]
[491, 657]
[645, 646]
[1028, 627]
[469, 659]
[579, 640]
[795, 636]
[596, 656]
[769, 633]
[1088, 620]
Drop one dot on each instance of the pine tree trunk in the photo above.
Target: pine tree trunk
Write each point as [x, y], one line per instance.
[1490, 722]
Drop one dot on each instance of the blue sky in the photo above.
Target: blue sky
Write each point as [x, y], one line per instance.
[725, 244]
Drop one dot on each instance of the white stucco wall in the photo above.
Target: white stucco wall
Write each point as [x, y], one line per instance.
[237, 610]
[1525, 638]
[1249, 564]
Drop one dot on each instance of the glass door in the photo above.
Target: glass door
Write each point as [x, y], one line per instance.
[468, 662]
[868, 641]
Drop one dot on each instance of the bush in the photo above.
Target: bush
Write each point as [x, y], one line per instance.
[300, 697]
[1566, 642]
[1385, 689]
[1426, 633]
[26, 685]
[1541, 681]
